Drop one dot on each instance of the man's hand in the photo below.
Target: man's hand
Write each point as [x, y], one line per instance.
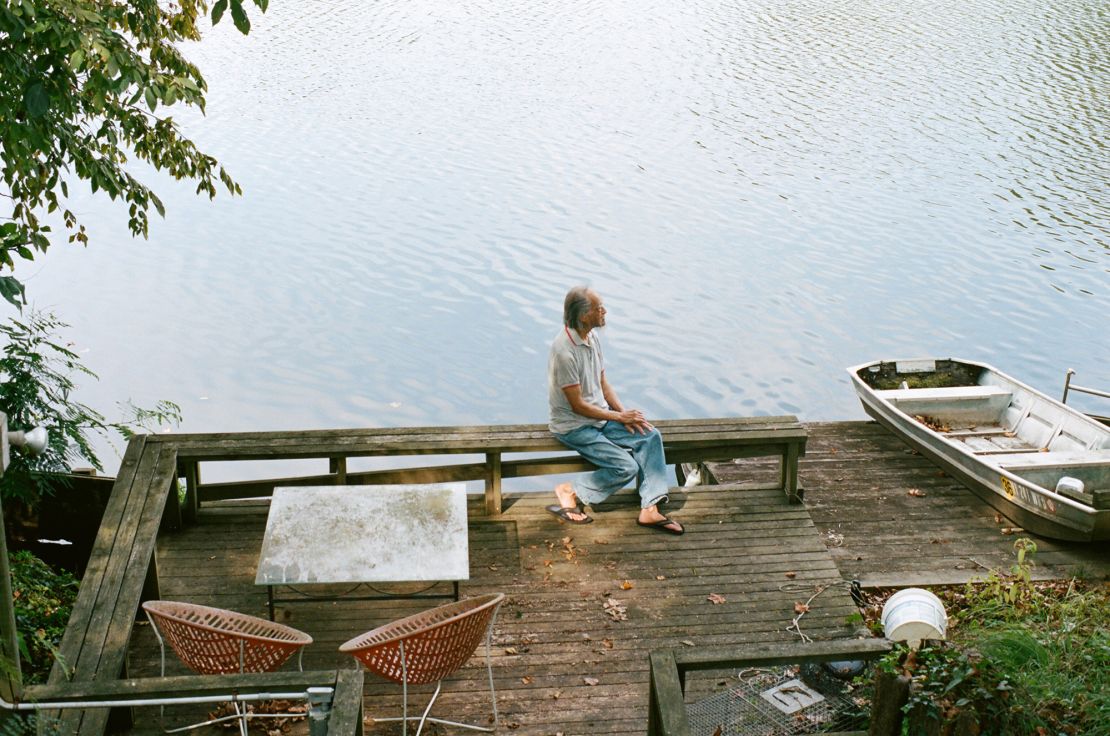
[634, 421]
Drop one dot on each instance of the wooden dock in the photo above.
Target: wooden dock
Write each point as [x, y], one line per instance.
[890, 517]
[562, 661]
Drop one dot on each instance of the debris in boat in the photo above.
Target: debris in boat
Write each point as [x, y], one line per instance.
[716, 598]
[1008, 530]
[800, 607]
[834, 539]
[916, 493]
[526, 680]
[591, 681]
[627, 585]
[937, 425]
[791, 574]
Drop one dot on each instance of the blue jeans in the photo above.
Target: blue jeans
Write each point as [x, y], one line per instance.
[608, 448]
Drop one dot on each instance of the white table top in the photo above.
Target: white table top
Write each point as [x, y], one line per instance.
[365, 534]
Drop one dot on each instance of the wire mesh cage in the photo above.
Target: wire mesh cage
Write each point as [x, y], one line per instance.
[786, 703]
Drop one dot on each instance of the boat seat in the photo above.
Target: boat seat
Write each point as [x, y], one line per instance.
[1052, 459]
[945, 393]
[965, 404]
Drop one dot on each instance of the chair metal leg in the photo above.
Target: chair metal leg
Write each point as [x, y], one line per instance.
[241, 712]
[424, 718]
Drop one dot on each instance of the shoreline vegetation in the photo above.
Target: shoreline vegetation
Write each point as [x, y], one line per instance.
[1022, 657]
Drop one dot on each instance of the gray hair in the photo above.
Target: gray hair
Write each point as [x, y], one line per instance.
[575, 306]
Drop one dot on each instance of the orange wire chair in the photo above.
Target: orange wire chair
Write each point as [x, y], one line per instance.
[214, 641]
[427, 647]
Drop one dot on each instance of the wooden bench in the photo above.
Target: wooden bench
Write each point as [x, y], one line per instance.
[686, 441]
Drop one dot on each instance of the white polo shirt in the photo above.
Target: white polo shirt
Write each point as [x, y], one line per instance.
[574, 361]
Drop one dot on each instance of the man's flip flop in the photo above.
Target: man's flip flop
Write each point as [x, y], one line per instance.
[564, 513]
[661, 526]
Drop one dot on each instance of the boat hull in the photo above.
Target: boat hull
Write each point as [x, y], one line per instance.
[1029, 507]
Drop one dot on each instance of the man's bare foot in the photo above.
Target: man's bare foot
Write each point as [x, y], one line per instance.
[564, 493]
[652, 517]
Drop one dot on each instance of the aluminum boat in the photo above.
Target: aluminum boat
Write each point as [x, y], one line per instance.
[1039, 462]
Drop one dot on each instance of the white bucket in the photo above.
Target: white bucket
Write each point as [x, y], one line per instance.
[912, 615]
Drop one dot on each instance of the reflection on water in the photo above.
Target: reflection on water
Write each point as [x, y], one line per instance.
[764, 192]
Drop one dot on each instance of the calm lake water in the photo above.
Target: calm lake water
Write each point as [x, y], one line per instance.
[763, 193]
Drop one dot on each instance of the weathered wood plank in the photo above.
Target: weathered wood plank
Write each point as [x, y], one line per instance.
[73, 640]
[315, 435]
[346, 707]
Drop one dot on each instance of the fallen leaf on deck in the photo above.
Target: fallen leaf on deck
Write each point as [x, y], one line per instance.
[493, 567]
[510, 650]
[916, 492]
[998, 518]
[555, 695]
[791, 574]
[615, 609]
[1007, 530]
[527, 680]
[717, 731]
[601, 541]
[660, 577]
[591, 681]
[715, 598]
[626, 585]
[607, 643]
[800, 607]
[687, 642]
[547, 563]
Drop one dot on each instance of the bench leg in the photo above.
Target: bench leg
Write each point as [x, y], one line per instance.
[338, 467]
[789, 474]
[151, 589]
[171, 513]
[493, 484]
[192, 481]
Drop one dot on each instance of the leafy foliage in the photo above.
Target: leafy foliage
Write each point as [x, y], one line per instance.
[80, 84]
[1025, 658]
[43, 601]
[36, 384]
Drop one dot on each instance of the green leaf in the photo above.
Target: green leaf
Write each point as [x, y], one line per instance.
[262, 4]
[239, 16]
[218, 11]
[36, 100]
[12, 290]
[76, 59]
